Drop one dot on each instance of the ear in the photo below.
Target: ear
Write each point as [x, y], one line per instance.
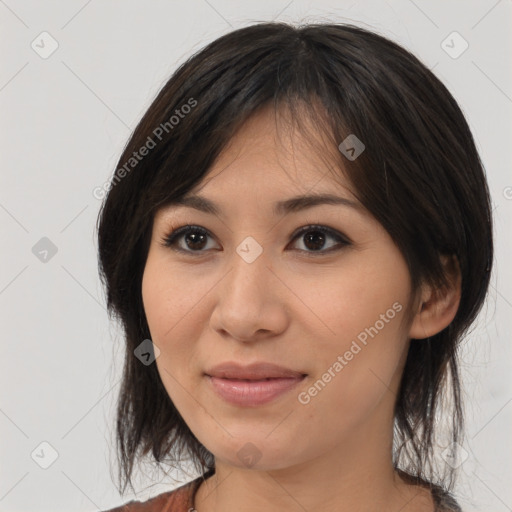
[437, 306]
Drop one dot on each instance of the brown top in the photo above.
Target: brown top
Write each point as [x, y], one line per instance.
[182, 499]
[177, 500]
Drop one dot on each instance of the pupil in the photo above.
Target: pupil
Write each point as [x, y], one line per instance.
[194, 237]
[315, 238]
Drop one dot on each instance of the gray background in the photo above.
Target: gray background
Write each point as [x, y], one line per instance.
[65, 118]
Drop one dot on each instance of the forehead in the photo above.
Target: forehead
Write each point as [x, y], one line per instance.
[269, 168]
[272, 155]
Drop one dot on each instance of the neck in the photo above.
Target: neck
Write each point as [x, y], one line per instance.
[355, 476]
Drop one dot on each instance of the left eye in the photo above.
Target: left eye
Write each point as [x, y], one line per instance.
[313, 238]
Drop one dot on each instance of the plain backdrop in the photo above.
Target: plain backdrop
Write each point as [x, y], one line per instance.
[76, 76]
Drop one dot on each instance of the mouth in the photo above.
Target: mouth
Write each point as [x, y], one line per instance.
[253, 385]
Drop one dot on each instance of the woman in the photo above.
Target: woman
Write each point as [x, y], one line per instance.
[297, 236]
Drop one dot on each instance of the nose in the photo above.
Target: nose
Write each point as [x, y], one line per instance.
[250, 300]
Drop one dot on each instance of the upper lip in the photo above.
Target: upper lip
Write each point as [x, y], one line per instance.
[255, 371]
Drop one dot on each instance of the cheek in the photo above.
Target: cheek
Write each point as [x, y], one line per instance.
[355, 296]
[169, 298]
[364, 338]
[164, 309]
[354, 377]
[167, 301]
[174, 303]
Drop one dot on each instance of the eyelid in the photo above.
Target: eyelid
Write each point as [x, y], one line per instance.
[175, 232]
[323, 228]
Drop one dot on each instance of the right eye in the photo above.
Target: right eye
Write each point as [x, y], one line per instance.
[195, 238]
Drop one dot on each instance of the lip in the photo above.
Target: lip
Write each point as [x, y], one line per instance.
[255, 371]
[252, 385]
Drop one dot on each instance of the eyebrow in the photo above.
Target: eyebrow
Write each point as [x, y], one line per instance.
[293, 204]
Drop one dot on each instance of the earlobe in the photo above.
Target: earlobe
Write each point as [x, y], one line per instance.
[437, 306]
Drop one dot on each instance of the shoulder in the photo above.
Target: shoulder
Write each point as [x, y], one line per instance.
[177, 500]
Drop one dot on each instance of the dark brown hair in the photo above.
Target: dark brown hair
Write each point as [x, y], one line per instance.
[419, 175]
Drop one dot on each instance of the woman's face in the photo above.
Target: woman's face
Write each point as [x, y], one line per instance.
[328, 304]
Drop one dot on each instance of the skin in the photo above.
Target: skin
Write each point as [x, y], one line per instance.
[297, 309]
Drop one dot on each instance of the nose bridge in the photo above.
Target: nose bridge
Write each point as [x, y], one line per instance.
[249, 265]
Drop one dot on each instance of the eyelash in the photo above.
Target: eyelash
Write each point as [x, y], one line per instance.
[171, 239]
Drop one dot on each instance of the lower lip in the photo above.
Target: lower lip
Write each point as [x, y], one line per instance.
[252, 393]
